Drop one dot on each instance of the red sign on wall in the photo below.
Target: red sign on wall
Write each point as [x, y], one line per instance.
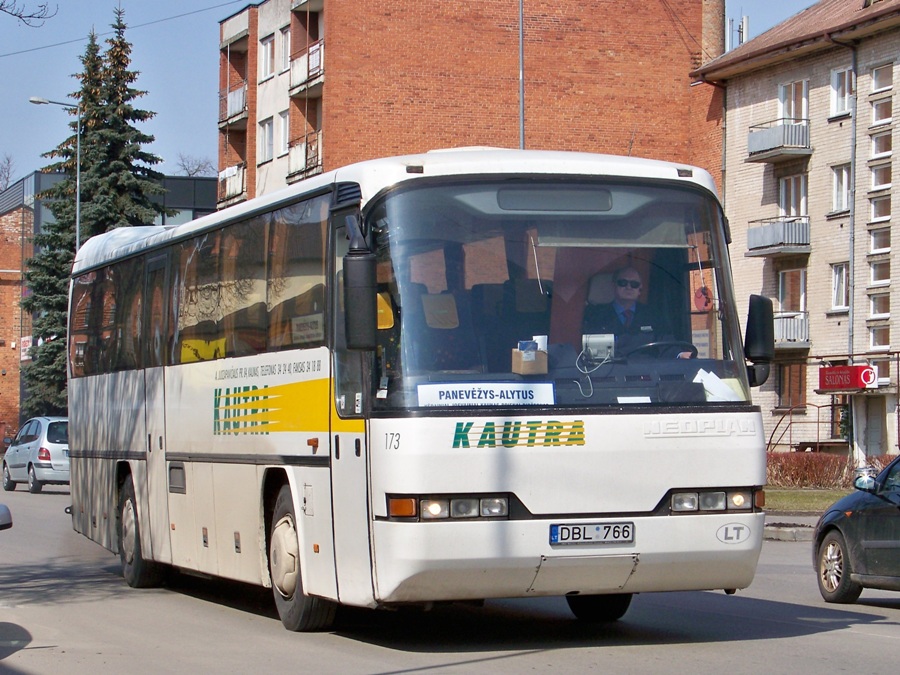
[840, 378]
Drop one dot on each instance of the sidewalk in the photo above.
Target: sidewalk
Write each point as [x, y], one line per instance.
[790, 527]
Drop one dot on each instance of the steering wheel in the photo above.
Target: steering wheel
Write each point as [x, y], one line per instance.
[655, 349]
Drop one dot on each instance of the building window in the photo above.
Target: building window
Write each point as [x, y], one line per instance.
[884, 370]
[792, 101]
[793, 195]
[842, 89]
[881, 208]
[881, 177]
[840, 200]
[883, 77]
[267, 57]
[265, 140]
[285, 48]
[882, 111]
[792, 290]
[791, 385]
[840, 289]
[284, 132]
[880, 337]
[880, 273]
[880, 306]
[882, 144]
[880, 240]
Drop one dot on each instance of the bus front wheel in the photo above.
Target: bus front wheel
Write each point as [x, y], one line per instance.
[298, 611]
[599, 608]
[137, 571]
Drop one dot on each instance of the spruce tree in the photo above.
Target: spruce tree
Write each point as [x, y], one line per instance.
[117, 181]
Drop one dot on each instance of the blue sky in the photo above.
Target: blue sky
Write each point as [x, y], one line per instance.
[175, 48]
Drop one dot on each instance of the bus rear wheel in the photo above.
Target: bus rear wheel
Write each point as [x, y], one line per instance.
[599, 608]
[298, 611]
[137, 571]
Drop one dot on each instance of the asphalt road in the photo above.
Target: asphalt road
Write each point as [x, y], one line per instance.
[64, 608]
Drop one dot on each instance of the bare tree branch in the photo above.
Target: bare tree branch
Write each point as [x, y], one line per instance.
[195, 166]
[30, 17]
[7, 166]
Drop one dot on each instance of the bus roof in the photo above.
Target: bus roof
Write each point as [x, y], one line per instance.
[375, 175]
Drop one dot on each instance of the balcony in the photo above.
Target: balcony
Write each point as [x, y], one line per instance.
[232, 185]
[233, 106]
[778, 140]
[775, 237]
[308, 71]
[792, 330]
[304, 156]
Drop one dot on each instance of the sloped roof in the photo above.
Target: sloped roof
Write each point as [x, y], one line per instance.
[806, 32]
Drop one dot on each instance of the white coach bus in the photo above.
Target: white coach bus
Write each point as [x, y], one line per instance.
[393, 384]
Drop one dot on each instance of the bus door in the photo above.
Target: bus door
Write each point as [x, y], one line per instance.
[155, 349]
[349, 456]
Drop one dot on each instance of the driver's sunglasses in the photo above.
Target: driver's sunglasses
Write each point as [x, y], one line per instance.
[623, 283]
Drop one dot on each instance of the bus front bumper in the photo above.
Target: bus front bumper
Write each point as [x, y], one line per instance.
[471, 560]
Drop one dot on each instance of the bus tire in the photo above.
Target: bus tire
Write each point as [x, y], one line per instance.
[136, 570]
[298, 611]
[599, 608]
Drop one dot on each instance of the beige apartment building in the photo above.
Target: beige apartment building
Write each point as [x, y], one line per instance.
[311, 85]
[807, 175]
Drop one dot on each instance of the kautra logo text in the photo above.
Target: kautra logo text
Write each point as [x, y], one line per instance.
[512, 434]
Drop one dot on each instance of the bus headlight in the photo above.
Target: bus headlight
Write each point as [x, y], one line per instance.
[432, 509]
[685, 501]
[495, 507]
[444, 507]
[712, 500]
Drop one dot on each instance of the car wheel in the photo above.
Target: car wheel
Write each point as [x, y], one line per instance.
[34, 485]
[298, 611]
[8, 483]
[834, 570]
[137, 571]
[599, 608]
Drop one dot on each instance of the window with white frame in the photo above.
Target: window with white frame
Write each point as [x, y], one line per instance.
[285, 48]
[880, 306]
[881, 208]
[266, 136]
[792, 290]
[840, 288]
[842, 89]
[882, 144]
[840, 200]
[883, 77]
[882, 110]
[884, 370]
[881, 176]
[267, 57]
[880, 240]
[793, 101]
[880, 337]
[879, 272]
[792, 197]
[283, 132]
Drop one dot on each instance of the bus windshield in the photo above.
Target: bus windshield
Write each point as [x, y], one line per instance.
[565, 292]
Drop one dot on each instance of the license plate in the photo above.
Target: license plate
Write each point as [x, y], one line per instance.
[592, 533]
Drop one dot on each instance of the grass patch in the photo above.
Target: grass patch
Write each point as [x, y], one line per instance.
[810, 501]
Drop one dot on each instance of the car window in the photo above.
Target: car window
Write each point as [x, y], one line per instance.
[58, 432]
[28, 432]
[892, 480]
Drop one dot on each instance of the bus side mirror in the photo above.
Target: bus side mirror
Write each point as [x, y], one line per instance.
[759, 339]
[360, 300]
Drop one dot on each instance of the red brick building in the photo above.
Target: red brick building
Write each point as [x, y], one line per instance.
[310, 85]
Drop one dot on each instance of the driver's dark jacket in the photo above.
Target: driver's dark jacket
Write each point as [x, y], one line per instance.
[645, 327]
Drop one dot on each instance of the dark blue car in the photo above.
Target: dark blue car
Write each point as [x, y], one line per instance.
[857, 541]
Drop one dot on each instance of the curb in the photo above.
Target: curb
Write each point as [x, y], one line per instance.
[788, 532]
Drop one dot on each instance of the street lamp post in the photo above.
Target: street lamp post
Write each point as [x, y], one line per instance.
[37, 100]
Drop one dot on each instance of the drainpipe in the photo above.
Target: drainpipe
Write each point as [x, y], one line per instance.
[858, 451]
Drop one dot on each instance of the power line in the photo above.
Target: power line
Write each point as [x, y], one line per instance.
[140, 25]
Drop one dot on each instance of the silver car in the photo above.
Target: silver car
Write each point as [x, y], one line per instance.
[39, 454]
